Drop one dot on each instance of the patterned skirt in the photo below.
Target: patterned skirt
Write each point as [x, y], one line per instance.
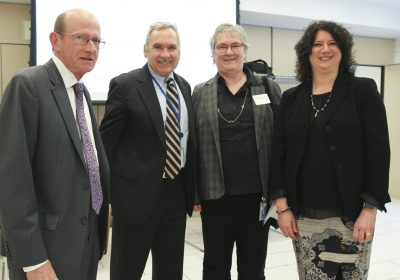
[325, 249]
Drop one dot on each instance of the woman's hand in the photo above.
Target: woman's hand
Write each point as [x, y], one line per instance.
[286, 220]
[364, 226]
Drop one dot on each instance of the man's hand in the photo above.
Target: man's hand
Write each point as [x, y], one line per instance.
[44, 272]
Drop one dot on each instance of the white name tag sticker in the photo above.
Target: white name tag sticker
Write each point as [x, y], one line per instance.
[261, 99]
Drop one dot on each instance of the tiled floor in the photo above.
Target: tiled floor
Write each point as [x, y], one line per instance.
[281, 264]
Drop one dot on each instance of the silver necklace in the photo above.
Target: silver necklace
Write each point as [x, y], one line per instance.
[240, 113]
[321, 108]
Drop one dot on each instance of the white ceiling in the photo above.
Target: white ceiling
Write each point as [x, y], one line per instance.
[373, 18]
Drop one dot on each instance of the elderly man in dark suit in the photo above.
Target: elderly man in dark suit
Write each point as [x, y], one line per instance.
[54, 171]
[148, 134]
[234, 123]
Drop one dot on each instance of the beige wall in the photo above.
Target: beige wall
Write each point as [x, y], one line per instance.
[12, 17]
[259, 37]
[14, 44]
[373, 51]
[392, 102]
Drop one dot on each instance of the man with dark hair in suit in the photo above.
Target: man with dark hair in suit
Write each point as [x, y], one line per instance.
[148, 134]
[54, 171]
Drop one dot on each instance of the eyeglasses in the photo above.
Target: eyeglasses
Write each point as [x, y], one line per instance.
[83, 40]
[235, 47]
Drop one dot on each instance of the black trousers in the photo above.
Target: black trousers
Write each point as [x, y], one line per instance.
[163, 234]
[233, 218]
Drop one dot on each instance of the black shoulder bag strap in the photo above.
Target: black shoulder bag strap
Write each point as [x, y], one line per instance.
[268, 89]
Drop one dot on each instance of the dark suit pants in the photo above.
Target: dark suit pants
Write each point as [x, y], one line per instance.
[163, 233]
[233, 218]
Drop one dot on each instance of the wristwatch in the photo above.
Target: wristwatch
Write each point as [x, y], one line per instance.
[369, 205]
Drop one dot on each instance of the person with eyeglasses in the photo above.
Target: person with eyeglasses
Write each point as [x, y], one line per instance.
[148, 133]
[234, 122]
[54, 171]
[84, 39]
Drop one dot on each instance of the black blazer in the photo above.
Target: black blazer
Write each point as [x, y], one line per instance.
[356, 134]
[44, 186]
[134, 138]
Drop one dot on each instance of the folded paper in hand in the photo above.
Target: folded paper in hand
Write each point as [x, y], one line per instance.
[272, 216]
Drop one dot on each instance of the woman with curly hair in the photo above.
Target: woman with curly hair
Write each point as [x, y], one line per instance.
[331, 158]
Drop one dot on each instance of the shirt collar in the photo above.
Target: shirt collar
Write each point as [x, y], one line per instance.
[67, 76]
[158, 78]
[250, 76]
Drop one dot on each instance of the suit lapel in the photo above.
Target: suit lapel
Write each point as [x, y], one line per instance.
[302, 107]
[64, 105]
[186, 92]
[149, 96]
[211, 107]
[339, 91]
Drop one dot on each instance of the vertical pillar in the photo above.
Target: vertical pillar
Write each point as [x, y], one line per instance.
[397, 51]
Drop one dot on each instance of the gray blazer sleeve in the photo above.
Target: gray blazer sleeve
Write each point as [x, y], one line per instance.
[18, 209]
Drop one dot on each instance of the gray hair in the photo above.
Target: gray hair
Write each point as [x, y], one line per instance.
[157, 26]
[229, 28]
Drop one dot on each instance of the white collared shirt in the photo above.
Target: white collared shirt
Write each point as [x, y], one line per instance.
[69, 81]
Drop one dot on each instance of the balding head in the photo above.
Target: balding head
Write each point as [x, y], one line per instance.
[71, 15]
[75, 40]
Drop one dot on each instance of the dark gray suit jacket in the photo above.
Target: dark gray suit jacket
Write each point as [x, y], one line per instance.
[210, 172]
[44, 186]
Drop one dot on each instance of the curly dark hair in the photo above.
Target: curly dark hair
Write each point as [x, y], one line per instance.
[303, 48]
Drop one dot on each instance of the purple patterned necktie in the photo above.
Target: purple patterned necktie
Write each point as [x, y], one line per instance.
[88, 151]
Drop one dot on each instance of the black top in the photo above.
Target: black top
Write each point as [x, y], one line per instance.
[238, 140]
[318, 188]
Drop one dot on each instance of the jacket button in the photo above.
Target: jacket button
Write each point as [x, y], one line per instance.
[340, 167]
[328, 128]
[85, 186]
[332, 148]
[84, 221]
